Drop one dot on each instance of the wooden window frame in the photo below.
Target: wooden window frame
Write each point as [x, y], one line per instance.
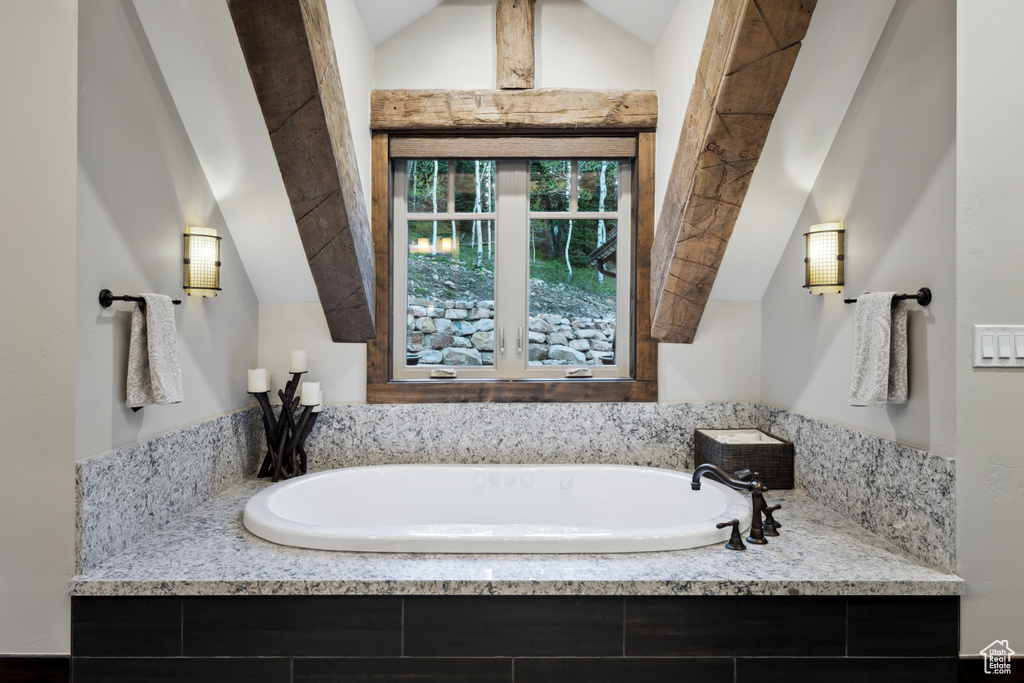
[642, 386]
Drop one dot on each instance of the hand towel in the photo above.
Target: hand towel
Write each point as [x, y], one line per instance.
[154, 373]
[880, 351]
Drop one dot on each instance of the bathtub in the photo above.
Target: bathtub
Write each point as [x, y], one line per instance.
[495, 509]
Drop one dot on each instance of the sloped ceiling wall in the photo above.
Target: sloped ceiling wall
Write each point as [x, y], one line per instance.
[202, 64]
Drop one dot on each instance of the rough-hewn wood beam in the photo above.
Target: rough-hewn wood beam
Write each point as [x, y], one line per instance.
[551, 108]
[290, 54]
[748, 54]
[514, 37]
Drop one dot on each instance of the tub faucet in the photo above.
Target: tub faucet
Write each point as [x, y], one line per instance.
[745, 480]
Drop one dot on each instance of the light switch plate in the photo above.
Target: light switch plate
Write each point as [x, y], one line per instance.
[994, 332]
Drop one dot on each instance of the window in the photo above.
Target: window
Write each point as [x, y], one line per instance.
[504, 269]
[513, 270]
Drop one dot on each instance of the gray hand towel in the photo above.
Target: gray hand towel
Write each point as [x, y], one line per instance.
[154, 373]
[880, 351]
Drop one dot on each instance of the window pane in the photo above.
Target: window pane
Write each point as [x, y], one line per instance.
[474, 186]
[599, 186]
[450, 317]
[572, 303]
[428, 185]
[549, 185]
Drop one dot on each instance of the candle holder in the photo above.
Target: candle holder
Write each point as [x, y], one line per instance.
[286, 436]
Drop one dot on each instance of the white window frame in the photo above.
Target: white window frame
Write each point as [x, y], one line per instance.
[511, 273]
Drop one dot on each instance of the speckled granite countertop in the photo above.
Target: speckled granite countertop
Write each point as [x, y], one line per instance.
[209, 552]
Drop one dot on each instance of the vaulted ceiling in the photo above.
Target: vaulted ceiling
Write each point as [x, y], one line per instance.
[645, 19]
[198, 53]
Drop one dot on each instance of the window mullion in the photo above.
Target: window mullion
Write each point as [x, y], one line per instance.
[511, 266]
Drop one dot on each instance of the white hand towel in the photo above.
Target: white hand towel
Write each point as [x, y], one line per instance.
[154, 373]
[880, 351]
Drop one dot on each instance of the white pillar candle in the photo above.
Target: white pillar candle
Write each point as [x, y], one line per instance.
[297, 362]
[320, 404]
[310, 395]
[258, 381]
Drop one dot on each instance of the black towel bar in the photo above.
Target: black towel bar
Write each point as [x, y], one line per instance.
[923, 297]
[107, 297]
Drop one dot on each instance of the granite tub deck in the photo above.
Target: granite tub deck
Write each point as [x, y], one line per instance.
[208, 552]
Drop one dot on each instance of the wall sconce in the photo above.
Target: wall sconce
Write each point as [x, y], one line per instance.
[824, 270]
[202, 262]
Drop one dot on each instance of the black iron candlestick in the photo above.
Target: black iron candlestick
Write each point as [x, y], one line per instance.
[286, 453]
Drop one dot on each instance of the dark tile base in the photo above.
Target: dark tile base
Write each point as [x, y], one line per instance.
[972, 670]
[30, 669]
[847, 670]
[515, 639]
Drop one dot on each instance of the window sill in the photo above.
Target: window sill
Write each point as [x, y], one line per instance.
[512, 391]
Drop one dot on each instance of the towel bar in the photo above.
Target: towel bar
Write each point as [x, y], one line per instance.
[107, 298]
[923, 297]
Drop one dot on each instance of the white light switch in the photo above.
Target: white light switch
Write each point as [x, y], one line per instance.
[1004, 346]
[999, 346]
[988, 347]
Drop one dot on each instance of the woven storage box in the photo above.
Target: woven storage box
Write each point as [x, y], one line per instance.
[772, 461]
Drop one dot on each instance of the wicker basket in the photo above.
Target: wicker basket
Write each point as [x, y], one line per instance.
[772, 461]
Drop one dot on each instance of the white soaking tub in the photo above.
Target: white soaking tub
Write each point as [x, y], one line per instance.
[495, 509]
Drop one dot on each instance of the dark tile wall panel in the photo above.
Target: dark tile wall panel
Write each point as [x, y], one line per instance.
[32, 669]
[403, 670]
[847, 670]
[514, 639]
[471, 626]
[904, 626]
[126, 627]
[301, 626]
[624, 670]
[181, 670]
[735, 626]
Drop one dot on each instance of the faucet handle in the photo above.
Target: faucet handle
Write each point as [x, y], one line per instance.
[745, 475]
[735, 540]
[771, 527]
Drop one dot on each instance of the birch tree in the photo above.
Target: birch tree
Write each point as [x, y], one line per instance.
[433, 195]
[478, 236]
[602, 235]
[490, 191]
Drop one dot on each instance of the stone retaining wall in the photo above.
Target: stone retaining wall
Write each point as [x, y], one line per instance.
[462, 333]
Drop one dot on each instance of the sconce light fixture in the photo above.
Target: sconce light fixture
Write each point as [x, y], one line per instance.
[202, 262]
[824, 269]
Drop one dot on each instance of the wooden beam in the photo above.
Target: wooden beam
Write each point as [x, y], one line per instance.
[544, 108]
[514, 37]
[290, 54]
[498, 146]
[748, 54]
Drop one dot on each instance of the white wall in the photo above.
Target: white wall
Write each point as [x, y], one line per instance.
[355, 65]
[38, 47]
[140, 184]
[989, 244]
[576, 47]
[890, 175]
[675, 69]
[340, 368]
[724, 361]
[453, 47]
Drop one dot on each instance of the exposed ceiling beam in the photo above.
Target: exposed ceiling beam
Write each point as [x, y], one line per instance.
[514, 39]
[551, 108]
[290, 55]
[748, 54]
